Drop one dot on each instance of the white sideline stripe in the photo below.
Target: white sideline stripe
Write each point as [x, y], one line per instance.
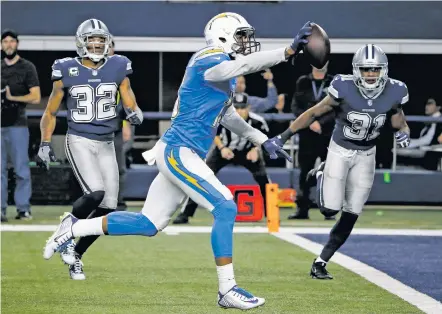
[251, 229]
[408, 294]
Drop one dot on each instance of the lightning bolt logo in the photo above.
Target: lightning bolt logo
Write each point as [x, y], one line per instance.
[172, 161]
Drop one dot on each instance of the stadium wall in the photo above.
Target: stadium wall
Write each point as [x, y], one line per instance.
[341, 19]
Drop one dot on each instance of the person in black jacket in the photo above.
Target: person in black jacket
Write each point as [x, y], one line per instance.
[313, 142]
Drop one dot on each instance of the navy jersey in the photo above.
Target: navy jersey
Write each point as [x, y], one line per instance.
[200, 105]
[358, 119]
[91, 95]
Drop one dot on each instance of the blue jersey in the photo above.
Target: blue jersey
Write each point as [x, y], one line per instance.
[360, 119]
[200, 105]
[91, 95]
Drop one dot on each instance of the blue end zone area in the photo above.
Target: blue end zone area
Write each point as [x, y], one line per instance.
[413, 260]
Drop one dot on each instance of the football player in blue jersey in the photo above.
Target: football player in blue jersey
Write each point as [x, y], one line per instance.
[364, 103]
[204, 101]
[91, 84]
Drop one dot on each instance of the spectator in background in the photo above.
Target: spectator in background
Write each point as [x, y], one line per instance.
[19, 87]
[258, 104]
[232, 149]
[123, 136]
[428, 136]
[313, 142]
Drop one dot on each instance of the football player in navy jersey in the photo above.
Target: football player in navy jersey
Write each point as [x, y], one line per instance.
[364, 102]
[90, 85]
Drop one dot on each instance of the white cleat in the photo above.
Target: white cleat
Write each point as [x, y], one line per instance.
[238, 298]
[76, 270]
[68, 253]
[60, 237]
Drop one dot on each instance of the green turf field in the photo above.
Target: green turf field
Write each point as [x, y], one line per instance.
[176, 273]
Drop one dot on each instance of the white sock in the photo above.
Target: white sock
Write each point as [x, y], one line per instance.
[320, 260]
[226, 278]
[85, 227]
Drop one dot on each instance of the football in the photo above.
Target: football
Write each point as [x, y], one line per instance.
[317, 51]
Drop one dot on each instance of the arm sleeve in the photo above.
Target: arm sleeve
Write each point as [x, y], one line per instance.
[254, 62]
[127, 65]
[233, 121]
[32, 77]
[57, 73]
[259, 104]
[337, 88]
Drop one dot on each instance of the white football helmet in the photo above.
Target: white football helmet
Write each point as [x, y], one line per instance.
[231, 32]
[370, 58]
[93, 28]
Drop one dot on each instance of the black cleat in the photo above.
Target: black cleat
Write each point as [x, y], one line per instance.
[23, 216]
[181, 219]
[300, 214]
[319, 271]
[330, 218]
[4, 219]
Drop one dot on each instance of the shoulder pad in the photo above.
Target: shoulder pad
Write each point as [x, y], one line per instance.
[339, 85]
[400, 88]
[124, 61]
[59, 66]
[209, 55]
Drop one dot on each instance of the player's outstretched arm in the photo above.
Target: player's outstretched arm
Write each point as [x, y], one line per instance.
[305, 119]
[257, 61]
[233, 121]
[47, 125]
[134, 113]
[403, 135]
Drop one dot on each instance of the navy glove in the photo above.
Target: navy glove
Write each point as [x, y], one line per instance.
[402, 139]
[135, 117]
[273, 147]
[45, 155]
[300, 39]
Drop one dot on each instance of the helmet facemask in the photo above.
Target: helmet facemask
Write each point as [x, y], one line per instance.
[94, 45]
[370, 78]
[245, 41]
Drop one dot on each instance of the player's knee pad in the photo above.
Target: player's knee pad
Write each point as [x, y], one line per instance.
[225, 212]
[95, 196]
[83, 206]
[327, 212]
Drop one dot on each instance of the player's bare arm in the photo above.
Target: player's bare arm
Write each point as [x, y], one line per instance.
[48, 120]
[305, 119]
[134, 113]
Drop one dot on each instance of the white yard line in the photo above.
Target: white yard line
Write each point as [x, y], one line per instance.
[252, 229]
[412, 296]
